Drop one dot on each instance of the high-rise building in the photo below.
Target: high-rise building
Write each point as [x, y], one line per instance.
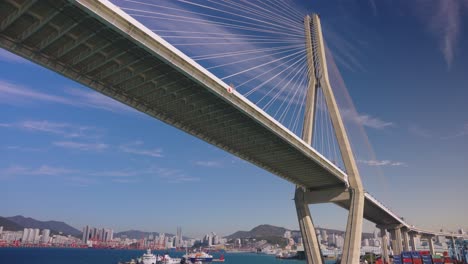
[178, 239]
[1, 230]
[33, 236]
[365, 242]
[93, 233]
[215, 239]
[339, 242]
[86, 234]
[109, 235]
[287, 234]
[324, 235]
[24, 239]
[45, 236]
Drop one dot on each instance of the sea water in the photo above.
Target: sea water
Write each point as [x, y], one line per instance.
[107, 256]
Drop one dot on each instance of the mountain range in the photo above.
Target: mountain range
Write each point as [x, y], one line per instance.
[10, 225]
[21, 222]
[263, 231]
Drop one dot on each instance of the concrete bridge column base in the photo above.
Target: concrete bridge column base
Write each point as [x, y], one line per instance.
[384, 237]
[412, 241]
[431, 245]
[406, 244]
[396, 240]
[353, 235]
[309, 236]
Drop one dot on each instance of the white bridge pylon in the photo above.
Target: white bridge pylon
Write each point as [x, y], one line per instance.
[318, 79]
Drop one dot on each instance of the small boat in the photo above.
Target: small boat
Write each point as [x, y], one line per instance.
[166, 259]
[148, 258]
[128, 262]
[199, 257]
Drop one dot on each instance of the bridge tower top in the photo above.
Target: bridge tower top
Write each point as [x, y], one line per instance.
[318, 79]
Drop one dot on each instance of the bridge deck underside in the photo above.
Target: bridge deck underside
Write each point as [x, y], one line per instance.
[374, 213]
[63, 36]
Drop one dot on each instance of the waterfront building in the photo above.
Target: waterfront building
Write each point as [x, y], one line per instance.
[24, 238]
[324, 235]
[86, 234]
[45, 236]
[287, 234]
[97, 234]
[36, 236]
[1, 230]
[215, 240]
[108, 235]
[365, 242]
[339, 241]
[178, 239]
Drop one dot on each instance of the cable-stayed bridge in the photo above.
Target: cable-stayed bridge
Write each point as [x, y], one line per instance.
[283, 130]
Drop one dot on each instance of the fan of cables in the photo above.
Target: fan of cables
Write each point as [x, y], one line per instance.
[255, 46]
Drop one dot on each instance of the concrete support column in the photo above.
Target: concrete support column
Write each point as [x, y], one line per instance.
[396, 241]
[406, 246]
[454, 249]
[431, 245]
[384, 245]
[412, 241]
[353, 235]
[309, 236]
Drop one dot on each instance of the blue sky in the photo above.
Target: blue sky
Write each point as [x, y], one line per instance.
[71, 154]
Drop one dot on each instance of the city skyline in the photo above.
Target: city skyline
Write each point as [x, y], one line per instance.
[69, 148]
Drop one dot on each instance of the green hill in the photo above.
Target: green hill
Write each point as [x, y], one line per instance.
[9, 225]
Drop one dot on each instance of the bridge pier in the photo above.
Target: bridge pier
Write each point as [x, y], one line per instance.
[353, 235]
[384, 245]
[306, 225]
[395, 233]
[412, 241]
[406, 246]
[431, 245]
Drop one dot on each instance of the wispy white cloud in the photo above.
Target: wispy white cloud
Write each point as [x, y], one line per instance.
[373, 5]
[57, 128]
[170, 175]
[209, 163]
[174, 175]
[420, 132]
[137, 148]
[379, 163]
[81, 146]
[96, 100]
[117, 173]
[42, 170]
[14, 94]
[444, 20]
[83, 177]
[461, 133]
[365, 120]
[124, 181]
[81, 181]
[22, 148]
